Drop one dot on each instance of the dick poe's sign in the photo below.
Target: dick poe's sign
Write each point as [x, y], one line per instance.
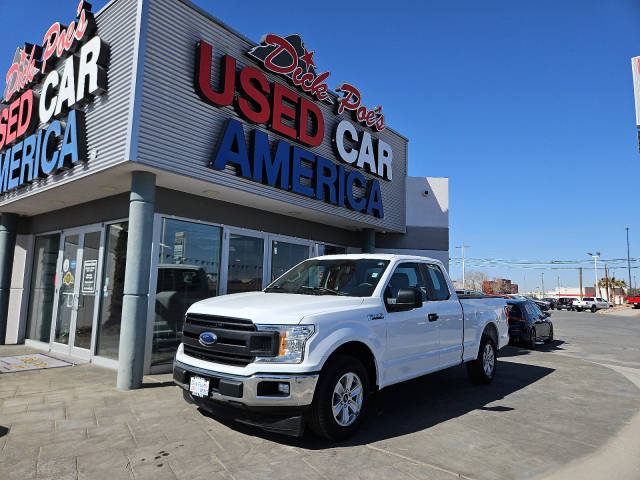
[37, 94]
[284, 110]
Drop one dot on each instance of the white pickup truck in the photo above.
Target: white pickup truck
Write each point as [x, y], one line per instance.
[591, 303]
[317, 342]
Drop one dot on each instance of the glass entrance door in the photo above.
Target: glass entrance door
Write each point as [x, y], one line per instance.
[77, 285]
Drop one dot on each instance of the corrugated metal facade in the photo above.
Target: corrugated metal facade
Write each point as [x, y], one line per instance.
[178, 132]
[107, 116]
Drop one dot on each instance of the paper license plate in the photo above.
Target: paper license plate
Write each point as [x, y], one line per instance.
[199, 386]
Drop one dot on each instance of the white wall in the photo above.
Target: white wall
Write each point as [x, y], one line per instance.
[18, 296]
[430, 210]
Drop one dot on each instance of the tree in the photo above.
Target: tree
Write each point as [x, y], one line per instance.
[610, 284]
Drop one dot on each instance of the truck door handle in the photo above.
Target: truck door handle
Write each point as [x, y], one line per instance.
[433, 317]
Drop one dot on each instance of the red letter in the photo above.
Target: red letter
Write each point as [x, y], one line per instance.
[13, 120]
[257, 96]
[280, 110]
[26, 106]
[282, 46]
[49, 43]
[349, 91]
[203, 76]
[307, 107]
[3, 126]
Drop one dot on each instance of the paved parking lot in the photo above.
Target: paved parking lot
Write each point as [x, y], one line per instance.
[551, 411]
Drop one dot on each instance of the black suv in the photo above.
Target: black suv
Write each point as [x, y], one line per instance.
[565, 303]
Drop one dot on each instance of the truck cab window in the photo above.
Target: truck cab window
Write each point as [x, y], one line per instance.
[436, 284]
[406, 275]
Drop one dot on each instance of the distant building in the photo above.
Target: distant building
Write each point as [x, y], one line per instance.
[499, 285]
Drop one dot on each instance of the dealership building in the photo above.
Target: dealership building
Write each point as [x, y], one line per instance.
[152, 156]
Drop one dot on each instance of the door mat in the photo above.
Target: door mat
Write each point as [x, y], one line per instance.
[34, 361]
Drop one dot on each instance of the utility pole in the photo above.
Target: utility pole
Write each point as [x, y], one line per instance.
[595, 263]
[628, 262]
[542, 283]
[606, 282]
[463, 247]
[558, 284]
[580, 283]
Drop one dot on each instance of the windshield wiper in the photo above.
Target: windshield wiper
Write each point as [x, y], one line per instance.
[320, 290]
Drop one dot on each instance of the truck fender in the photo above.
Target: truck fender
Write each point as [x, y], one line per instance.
[351, 332]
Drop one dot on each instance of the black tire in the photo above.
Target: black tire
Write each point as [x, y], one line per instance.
[321, 418]
[532, 339]
[579, 309]
[593, 309]
[476, 368]
[550, 337]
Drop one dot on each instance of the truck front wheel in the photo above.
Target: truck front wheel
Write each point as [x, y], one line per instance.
[483, 369]
[340, 399]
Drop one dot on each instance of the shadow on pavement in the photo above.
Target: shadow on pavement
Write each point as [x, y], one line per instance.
[420, 404]
[519, 350]
[168, 383]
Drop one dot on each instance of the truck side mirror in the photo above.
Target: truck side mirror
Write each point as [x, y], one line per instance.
[407, 299]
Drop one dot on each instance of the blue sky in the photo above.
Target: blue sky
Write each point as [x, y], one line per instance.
[526, 106]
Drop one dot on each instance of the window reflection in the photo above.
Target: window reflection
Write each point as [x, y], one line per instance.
[245, 263]
[188, 271]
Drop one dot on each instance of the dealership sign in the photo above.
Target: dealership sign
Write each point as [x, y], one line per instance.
[283, 163]
[28, 152]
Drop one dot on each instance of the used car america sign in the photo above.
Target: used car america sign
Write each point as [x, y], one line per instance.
[283, 164]
[28, 152]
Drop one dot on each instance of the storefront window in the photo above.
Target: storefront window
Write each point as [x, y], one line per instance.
[246, 256]
[188, 271]
[66, 300]
[43, 288]
[330, 250]
[115, 249]
[285, 256]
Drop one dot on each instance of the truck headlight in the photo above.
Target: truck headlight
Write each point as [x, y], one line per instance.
[291, 344]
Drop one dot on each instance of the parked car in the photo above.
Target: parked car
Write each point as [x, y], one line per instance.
[565, 303]
[553, 303]
[528, 324]
[590, 303]
[542, 305]
[313, 345]
[634, 301]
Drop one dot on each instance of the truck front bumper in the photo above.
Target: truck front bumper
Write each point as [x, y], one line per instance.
[259, 390]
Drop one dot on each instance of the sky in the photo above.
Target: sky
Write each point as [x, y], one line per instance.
[526, 106]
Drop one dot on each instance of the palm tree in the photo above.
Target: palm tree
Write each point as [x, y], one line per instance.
[611, 283]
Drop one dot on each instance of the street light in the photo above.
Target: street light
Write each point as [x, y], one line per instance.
[463, 247]
[595, 262]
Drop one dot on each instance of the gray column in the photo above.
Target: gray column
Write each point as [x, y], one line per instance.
[368, 240]
[8, 223]
[136, 281]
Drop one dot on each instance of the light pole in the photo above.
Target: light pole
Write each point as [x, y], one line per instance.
[463, 247]
[595, 264]
[628, 262]
[542, 283]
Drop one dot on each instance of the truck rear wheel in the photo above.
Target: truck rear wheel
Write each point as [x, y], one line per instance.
[483, 368]
[593, 309]
[341, 396]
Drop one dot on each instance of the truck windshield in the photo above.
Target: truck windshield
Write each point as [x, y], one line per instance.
[349, 277]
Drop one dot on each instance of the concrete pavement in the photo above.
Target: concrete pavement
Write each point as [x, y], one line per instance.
[565, 408]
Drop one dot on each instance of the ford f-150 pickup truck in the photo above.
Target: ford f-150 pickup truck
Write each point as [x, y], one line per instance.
[590, 303]
[317, 342]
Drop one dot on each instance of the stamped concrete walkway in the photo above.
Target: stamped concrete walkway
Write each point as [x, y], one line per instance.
[546, 411]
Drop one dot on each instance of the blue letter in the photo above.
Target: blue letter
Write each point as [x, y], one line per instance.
[374, 201]
[298, 171]
[27, 158]
[14, 181]
[49, 164]
[4, 170]
[322, 167]
[233, 149]
[69, 143]
[354, 176]
[279, 167]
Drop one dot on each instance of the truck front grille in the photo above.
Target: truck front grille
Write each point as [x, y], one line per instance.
[238, 340]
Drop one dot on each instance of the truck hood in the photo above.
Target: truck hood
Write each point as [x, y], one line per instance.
[273, 308]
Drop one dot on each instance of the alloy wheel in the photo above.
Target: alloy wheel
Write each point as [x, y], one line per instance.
[346, 401]
[488, 359]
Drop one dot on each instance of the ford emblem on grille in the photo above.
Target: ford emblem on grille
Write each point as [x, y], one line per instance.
[207, 338]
